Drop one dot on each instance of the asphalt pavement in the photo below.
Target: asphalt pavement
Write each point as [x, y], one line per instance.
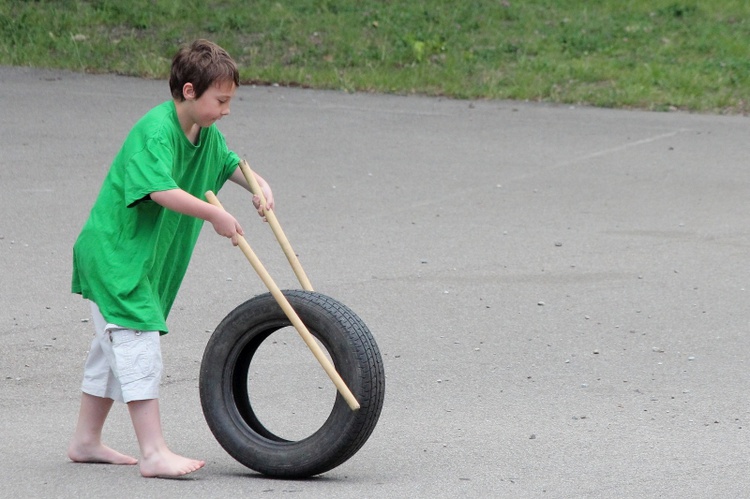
[559, 293]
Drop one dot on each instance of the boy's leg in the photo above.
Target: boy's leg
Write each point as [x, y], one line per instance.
[139, 366]
[86, 445]
[99, 390]
[156, 458]
[126, 365]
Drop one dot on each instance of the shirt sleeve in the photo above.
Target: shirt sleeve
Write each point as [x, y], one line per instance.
[230, 161]
[230, 164]
[149, 170]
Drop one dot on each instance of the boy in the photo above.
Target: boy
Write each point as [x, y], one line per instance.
[133, 251]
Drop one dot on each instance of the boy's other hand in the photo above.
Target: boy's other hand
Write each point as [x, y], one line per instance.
[268, 194]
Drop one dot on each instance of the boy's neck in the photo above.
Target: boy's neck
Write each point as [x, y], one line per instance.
[190, 128]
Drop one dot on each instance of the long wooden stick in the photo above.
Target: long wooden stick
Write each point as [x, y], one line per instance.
[308, 338]
[276, 228]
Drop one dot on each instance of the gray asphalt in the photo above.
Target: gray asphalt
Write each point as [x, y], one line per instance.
[559, 293]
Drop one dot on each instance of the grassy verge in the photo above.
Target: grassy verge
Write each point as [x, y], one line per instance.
[651, 54]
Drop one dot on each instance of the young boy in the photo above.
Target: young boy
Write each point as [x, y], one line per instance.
[133, 251]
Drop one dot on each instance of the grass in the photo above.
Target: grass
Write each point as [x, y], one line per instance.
[649, 54]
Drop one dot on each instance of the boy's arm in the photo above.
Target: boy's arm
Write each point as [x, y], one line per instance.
[187, 204]
[239, 179]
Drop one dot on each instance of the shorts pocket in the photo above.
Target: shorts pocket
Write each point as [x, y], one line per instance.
[136, 354]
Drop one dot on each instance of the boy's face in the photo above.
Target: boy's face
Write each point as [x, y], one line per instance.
[213, 104]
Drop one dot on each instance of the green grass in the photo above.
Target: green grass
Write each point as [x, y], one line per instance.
[650, 54]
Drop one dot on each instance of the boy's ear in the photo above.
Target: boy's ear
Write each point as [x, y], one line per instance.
[188, 92]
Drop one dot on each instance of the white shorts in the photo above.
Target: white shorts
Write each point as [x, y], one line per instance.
[123, 364]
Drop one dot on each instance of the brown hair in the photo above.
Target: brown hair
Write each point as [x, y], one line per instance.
[201, 63]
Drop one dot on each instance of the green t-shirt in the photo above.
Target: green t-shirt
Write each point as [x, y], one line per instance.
[132, 253]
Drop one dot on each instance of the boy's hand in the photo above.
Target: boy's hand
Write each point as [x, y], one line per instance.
[268, 194]
[226, 225]
[239, 178]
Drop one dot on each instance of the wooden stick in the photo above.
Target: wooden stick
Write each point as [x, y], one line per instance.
[276, 228]
[308, 338]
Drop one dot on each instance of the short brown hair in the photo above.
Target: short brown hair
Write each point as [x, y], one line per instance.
[201, 63]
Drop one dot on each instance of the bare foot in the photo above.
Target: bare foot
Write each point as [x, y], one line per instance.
[167, 464]
[98, 454]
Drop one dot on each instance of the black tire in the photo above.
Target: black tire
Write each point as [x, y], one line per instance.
[224, 385]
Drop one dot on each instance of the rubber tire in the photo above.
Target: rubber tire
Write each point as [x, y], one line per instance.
[224, 374]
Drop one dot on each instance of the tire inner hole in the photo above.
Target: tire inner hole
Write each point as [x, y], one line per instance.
[291, 394]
